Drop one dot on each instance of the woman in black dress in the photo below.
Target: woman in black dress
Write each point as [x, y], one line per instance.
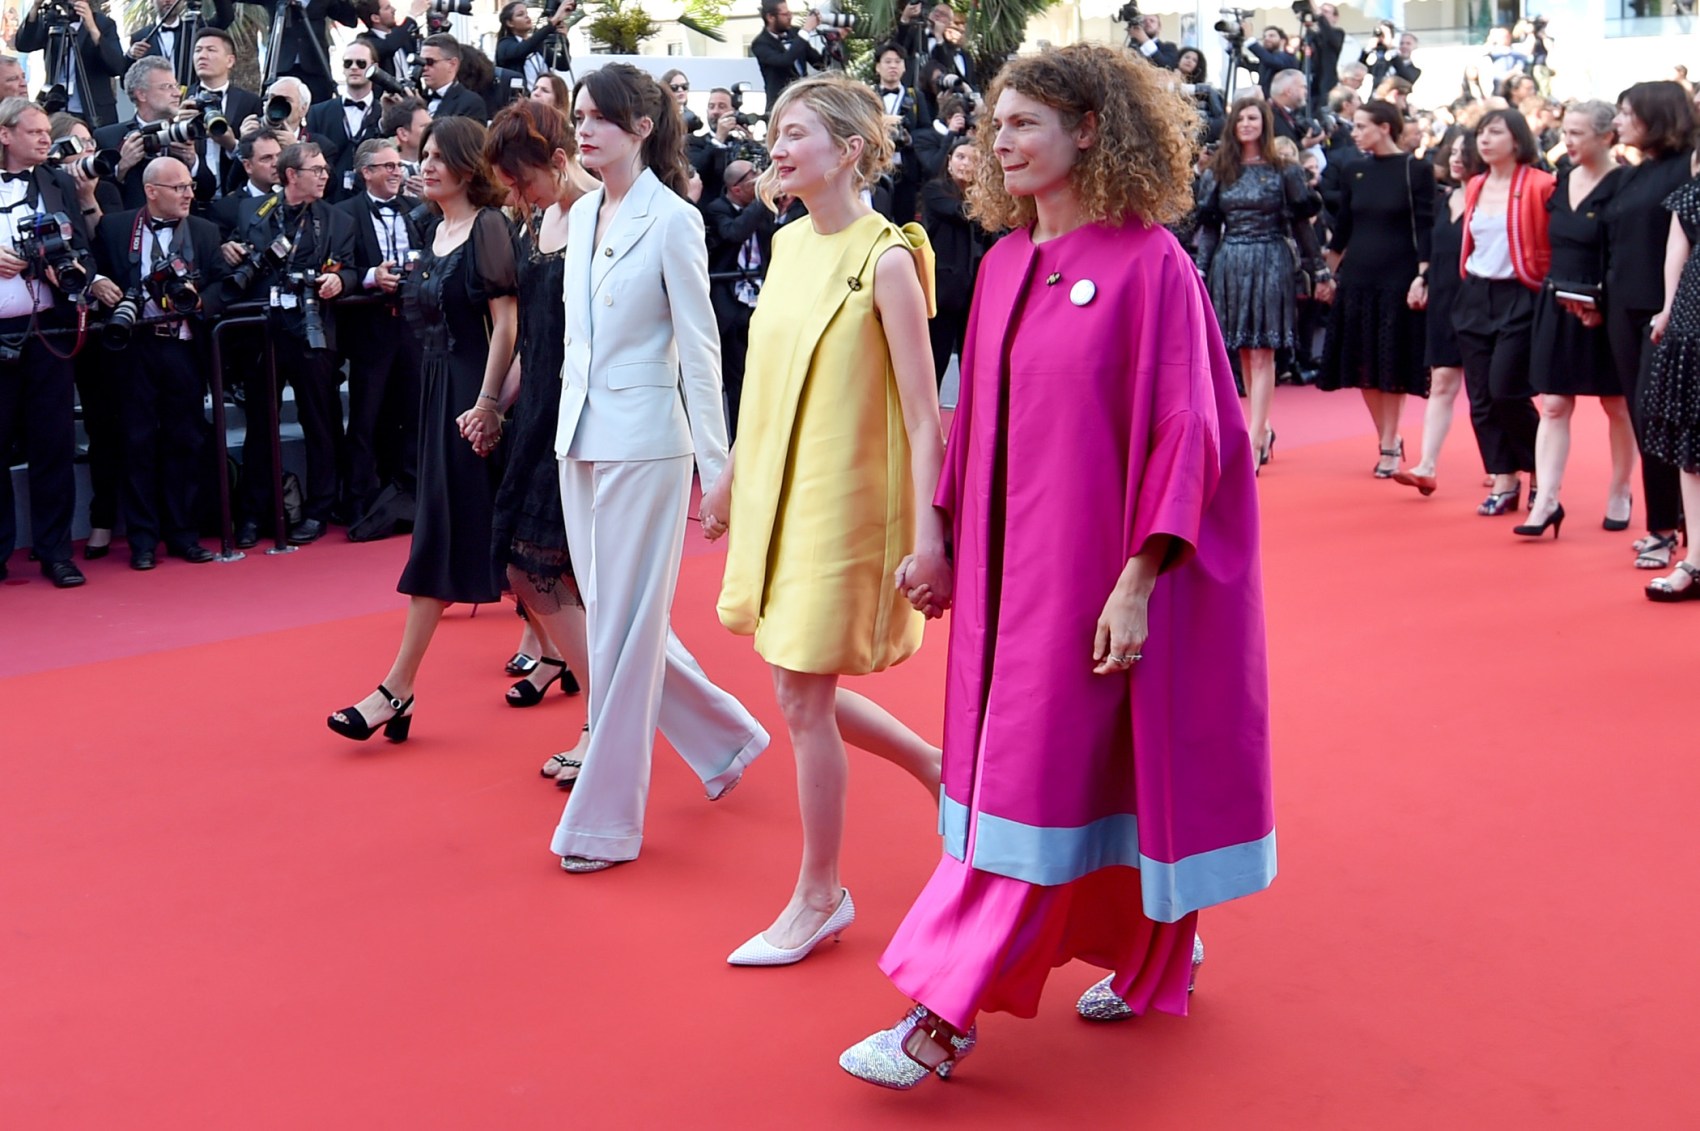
[1571, 355]
[958, 245]
[533, 153]
[460, 300]
[1377, 333]
[1434, 294]
[1657, 119]
[1251, 202]
[1671, 399]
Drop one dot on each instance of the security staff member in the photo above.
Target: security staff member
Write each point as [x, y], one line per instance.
[320, 241]
[164, 363]
[36, 395]
[383, 355]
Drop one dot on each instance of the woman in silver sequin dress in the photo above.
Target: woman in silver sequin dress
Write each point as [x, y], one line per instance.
[1251, 203]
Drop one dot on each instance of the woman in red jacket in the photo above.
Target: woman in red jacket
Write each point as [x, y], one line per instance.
[1504, 263]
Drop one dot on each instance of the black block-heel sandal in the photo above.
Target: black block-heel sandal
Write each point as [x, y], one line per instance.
[528, 694]
[353, 725]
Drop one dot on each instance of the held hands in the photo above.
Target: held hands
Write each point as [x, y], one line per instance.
[1122, 630]
[481, 427]
[1324, 291]
[927, 579]
[716, 509]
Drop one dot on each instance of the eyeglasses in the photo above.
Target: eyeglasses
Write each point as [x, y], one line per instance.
[386, 166]
[318, 170]
[679, 87]
[355, 64]
[185, 187]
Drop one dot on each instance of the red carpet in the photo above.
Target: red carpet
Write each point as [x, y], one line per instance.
[214, 913]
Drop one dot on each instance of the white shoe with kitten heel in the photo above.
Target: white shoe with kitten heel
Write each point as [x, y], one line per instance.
[759, 952]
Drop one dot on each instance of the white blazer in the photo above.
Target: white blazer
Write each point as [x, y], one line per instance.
[640, 332]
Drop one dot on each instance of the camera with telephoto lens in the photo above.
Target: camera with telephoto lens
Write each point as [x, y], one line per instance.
[172, 284]
[121, 320]
[387, 83]
[44, 243]
[831, 18]
[208, 102]
[1233, 28]
[1305, 10]
[259, 261]
[1128, 14]
[158, 137]
[68, 153]
[451, 7]
[278, 110]
[303, 283]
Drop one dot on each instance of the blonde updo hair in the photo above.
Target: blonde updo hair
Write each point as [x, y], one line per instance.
[1140, 165]
[848, 110]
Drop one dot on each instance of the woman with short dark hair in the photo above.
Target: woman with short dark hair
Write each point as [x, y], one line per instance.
[1656, 119]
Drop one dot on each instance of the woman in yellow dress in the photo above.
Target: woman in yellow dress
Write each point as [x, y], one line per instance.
[838, 455]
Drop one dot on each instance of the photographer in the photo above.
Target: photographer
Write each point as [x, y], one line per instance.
[1389, 53]
[1270, 56]
[1324, 39]
[84, 78]
[300, 251]
[35, 382]
[166, 39]
[383, 353]
[286, 103]
[524, 45]
[301, 49]
[161, 127]
[1144, 36]
[164, 260]
[739, 231]
[221, 172]
[341, 124]
[1288, 94]
[440, 59]
[395, 41]
[782, 52]
[902, 121]
[257, 154]
[934, 143]
[948, 67]
[1195, 84]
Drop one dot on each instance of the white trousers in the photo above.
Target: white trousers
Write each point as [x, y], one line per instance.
[626, 530]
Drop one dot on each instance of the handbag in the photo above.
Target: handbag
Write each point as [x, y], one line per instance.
[1588, 294]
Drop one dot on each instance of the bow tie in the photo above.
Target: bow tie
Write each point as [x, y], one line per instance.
[389, 205]
[10, 177]
[360, 102]
[161, 225]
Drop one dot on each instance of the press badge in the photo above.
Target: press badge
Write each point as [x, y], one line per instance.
[283, 300]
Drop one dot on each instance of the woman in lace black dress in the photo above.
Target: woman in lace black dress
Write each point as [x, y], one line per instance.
[1570, 354]
[460, 300]
[1670, 405]
[532, 151]
[1250, 203]
[1377, 333]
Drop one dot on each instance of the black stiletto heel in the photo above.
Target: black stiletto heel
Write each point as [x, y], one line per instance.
[354, 725]
[1536, 530]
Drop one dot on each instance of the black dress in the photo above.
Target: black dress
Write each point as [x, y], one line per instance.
[447, 303]
[1385, 226]
[1567, 358]
[1443, 281]
[1243, 229]
[1670, 402]
[529, 532]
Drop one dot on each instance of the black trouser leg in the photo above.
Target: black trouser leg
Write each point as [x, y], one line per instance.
[1493, 321]
[398, 417]
[1632, 350]
[140, 417]
[313, 375]
[370, 357]
[734, 354]
[98, 392]
[38, 398]
[180, 393]
[945, 332]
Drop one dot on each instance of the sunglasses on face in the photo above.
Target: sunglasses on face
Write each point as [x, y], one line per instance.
[677, 87]
[355, 64]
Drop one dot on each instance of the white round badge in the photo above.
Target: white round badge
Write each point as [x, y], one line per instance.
[1083, 292]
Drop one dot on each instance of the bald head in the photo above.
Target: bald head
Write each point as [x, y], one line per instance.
[741, 182]
[168, 187]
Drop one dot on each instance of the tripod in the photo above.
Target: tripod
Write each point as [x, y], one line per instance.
[282, 13]
[61, 45]
[190, 25]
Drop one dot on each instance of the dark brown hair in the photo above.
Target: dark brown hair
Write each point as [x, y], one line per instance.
[460, 146]
[625, 95]
[1226, 163]
[1528, 150]
[557, 87]
[1666, 115]
[1384, 114]
[525, 135]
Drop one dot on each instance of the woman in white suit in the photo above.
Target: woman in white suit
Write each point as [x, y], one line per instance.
[640, 332]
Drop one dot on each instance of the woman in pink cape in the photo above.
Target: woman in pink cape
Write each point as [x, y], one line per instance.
[1106, 758]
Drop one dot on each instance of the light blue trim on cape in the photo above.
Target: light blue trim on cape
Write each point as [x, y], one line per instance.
[1053, 856]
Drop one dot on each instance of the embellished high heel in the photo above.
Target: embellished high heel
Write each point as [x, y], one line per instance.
[1665, 592]
[1395, 453]
[1501, 502]
[1655, 551]
[759, 952]
[1536, 530]
[1100, 1003]
[918, 1046]
[520, 664]
[353, 725]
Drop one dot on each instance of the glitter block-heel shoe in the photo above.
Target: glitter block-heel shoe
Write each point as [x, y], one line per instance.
[1100, 1003]
[759, 952]
[907, 1053]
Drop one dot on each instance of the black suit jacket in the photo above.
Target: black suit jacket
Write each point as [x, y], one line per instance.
[239, 105]
[1162, 54]
[121, 262]
[130, 188]
[232, 212]
[726, 228]
[1324, 41]
[326, 237]
[778, 58]
[463, 103]
[932, 149]
[958, 245]
[102, 63]
[296, 54]
[403, 40]
[1269, 63]
[368, 252]
[223, 14]
[328, 126]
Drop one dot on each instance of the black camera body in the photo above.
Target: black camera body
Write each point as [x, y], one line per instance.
[1128, 13]
[212, 119]
[68, 154]
[260, 261]
[44, 243]
[175, 286]
[303, 283]
[387, 83]
[158, 137]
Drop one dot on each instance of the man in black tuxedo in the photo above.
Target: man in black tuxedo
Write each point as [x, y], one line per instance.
[153, 87]
[933, 143]
[35, 384]
[903, 121]
[1267, 56]
[166, 39]
[320, 240]
[383, 353]
[739, 230]
[96, 62]
[1324, 39]
[220, 172]
[257, 154]
[395, 40]
[448, 98]
[340, 125]
[1145, 35]
[783, 53]
[164, 364]
[302, 46]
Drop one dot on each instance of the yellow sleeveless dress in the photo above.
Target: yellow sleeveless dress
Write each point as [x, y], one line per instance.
[823, 503]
